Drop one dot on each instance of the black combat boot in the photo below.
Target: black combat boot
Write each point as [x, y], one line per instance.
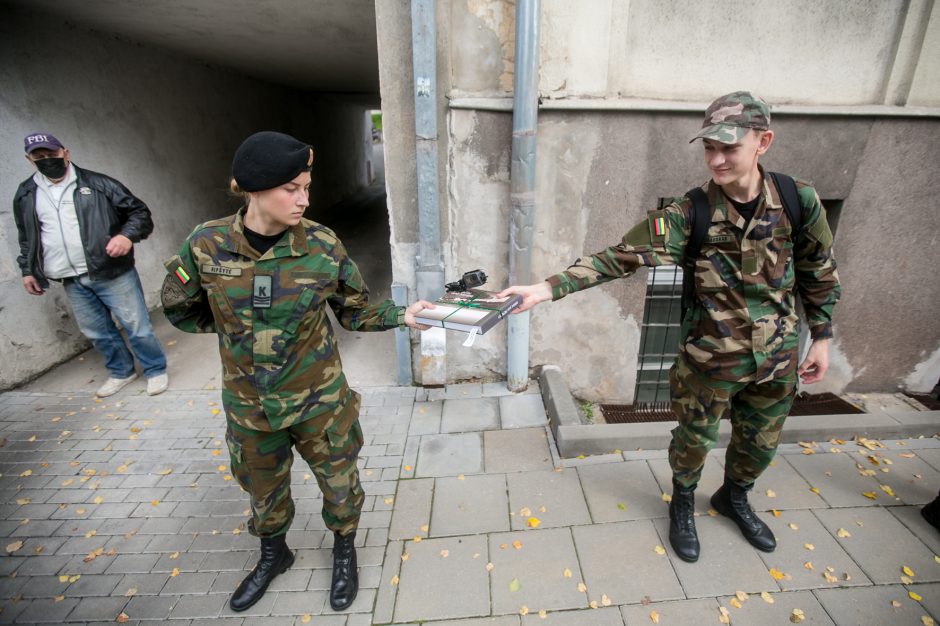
[931, 512]
[345, 583]
[276, 557]
[731, 501]
[682, 535]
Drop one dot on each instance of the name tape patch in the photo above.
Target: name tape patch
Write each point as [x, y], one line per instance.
[221, 270]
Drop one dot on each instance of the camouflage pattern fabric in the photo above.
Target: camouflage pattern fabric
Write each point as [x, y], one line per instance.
[743, 326]
[757, 410]
[280, 363]
[731, 116]
[261, 462]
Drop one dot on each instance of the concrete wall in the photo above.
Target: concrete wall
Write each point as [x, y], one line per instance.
[162, 124]
[792, 51]
[599, 171]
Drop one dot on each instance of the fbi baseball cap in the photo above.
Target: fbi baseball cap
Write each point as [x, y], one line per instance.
[34, 141]
[728, 118]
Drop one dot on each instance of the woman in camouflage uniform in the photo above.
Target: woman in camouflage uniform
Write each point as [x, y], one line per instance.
[262, 279]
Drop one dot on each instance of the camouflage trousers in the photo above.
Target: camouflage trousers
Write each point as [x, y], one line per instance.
[261, 462]
[757, 411]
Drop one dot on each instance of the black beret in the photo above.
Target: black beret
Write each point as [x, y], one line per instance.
[268, 159]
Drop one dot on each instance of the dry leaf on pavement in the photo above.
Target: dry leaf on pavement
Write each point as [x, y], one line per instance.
[797, 616]
[766, 597]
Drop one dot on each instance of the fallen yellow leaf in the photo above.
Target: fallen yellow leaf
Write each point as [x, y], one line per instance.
[593, 604]
[843, 533]
[712, 513]
[394, 580]
[741, 596]
[98, 499]
[605, 600]
[723, 615]
[543, 613]
[659, 550]
[525, 512]
[533, 522]
[766, 597]
[58, 599]
[654, 617]
[666, 497]
[567, 573]
[72, 579]
[907, 571]
[517, 544]
[830, 578]
[775, 512]
[793, 526]
[216, 452]
[445, 554]
[814, 489]
[582, 588]
[734, 602]
[175, 555]
[926, 620]
[808, 565]
[914, 596]
[13, 547]
[809, 546]
[871, 495]
[797, 616]
[25, 473]
[121, 618]
[887, 490]
[896, 604]
[407, 468]
[154, 503]
[22, 501]
[514, 585]
[523, 610]
[175, 572]
[90, 534]
[907, 580]
[771, 493]
[776, 574]
[305, 618]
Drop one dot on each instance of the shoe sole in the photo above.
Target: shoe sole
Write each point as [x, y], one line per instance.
[718, 507]
[284, 568]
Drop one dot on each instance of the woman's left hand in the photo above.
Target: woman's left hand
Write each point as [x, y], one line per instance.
[410, 312]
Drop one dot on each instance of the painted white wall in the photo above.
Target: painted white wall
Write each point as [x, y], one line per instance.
[788, 51]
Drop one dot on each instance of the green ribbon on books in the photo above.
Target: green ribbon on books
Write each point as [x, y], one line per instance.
[470, 305]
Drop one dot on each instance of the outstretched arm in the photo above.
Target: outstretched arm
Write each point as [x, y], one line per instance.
[531, 295]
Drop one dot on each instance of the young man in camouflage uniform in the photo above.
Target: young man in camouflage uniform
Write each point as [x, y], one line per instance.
[740, 346]
[262, 279]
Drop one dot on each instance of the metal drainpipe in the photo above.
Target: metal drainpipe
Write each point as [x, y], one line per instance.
[522, 182]
[429, 264]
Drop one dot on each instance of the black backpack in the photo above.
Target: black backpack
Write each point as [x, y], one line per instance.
[700, 218]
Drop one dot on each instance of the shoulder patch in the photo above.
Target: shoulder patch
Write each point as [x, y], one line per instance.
[657, 226]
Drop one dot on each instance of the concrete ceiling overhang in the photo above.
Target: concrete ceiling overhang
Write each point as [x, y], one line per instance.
[311, 45]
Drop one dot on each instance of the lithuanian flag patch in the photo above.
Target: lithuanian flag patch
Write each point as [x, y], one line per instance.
[182, 275]
[657, 221]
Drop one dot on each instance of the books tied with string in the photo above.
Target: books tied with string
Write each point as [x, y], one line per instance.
[473, 311]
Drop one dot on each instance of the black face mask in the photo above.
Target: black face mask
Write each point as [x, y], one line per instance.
[51, 168]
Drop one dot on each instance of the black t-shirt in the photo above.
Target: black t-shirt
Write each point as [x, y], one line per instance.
[746, 209]
[262, 243]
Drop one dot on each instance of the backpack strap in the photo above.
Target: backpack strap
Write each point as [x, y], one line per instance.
[699, 219]
[791, 203]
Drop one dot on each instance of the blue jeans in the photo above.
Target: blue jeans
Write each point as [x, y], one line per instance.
[95, 301]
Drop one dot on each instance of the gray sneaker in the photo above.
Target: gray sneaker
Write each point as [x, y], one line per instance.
[157, 384]
[114, 385]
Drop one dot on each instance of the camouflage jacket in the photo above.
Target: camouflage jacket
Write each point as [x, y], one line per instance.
[280, 364]
[744, 324]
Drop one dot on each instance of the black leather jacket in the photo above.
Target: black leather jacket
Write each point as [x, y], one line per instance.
[105, 208]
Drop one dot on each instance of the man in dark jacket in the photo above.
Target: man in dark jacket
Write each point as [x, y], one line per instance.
[79, 227]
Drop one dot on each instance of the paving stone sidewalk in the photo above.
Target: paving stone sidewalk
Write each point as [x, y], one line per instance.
[126, 506]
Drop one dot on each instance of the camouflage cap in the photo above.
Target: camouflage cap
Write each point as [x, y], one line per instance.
[728, 118]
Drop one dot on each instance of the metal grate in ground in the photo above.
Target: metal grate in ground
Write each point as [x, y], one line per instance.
[805, 404]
